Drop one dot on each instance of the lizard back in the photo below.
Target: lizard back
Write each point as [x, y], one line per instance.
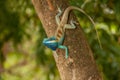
[61, 30]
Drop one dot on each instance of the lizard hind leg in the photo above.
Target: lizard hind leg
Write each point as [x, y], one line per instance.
[72, 23]
[70, 26]
[57, 17]
[66, 50]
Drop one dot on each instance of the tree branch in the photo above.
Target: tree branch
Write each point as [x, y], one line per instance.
[80, 65]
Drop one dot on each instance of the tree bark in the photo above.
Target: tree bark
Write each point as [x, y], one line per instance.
[81, 64]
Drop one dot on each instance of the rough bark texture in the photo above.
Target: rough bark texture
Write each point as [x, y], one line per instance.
[80, 65]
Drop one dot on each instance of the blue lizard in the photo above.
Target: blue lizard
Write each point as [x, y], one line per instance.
[57, 40]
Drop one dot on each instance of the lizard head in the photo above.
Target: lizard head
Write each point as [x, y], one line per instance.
[51, 43]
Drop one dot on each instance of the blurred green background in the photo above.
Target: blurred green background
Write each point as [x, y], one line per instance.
[22, 55]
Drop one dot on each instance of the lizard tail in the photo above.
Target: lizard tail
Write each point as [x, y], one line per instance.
[65, 18]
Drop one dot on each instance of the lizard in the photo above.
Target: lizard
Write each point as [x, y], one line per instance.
[56, 41]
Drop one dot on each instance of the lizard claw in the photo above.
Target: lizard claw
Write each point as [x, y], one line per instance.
[59, 10]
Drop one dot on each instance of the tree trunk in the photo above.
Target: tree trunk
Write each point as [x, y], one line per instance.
[80, 65]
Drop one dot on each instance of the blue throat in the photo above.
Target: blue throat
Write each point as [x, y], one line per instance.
[51, 43]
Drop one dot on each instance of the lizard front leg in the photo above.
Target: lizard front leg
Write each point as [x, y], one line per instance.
[66, 50]
[67, 26]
